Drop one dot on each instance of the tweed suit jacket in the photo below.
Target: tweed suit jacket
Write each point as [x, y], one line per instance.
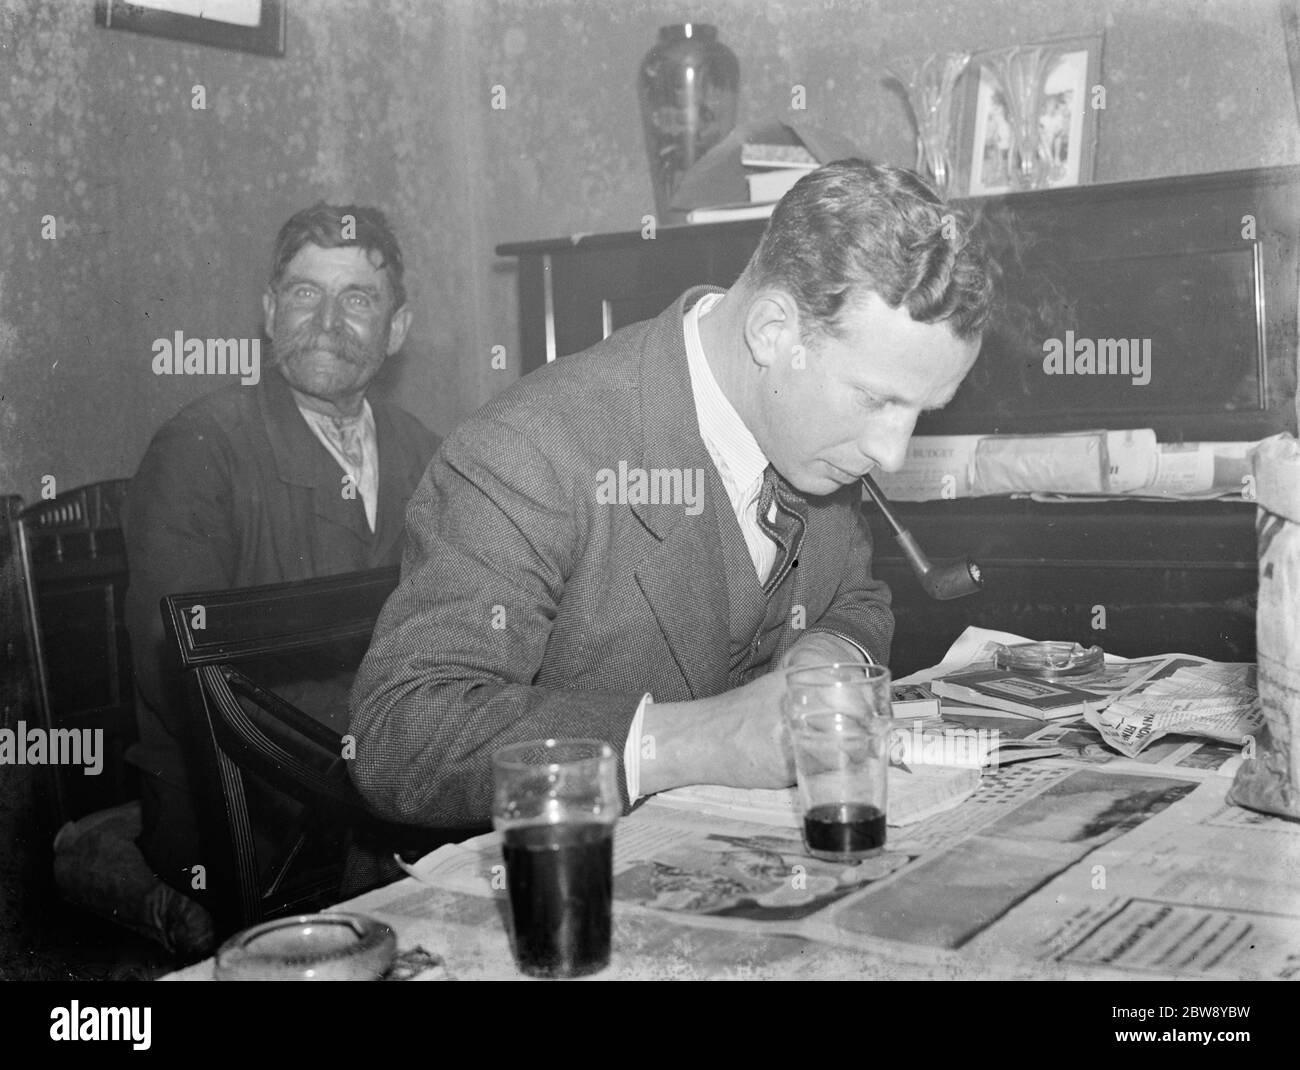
[530, 608]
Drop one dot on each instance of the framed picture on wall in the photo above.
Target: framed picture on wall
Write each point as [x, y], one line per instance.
[241, 25]
[1070, 71]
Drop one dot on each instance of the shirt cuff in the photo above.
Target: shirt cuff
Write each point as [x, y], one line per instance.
[866, 654]
[632, 751]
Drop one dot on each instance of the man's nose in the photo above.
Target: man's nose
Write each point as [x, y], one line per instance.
[886, 437]
[326, 313]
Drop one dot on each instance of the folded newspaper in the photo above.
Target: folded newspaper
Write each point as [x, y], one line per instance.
[1092, 464]
[1214, 701]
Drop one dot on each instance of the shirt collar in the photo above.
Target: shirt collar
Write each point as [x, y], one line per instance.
[729, 441]
[364, 421]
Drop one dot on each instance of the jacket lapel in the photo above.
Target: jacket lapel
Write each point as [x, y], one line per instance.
[338, 526]
[683, 577]
[390, 511]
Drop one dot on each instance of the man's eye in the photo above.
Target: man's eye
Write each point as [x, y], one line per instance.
[869, 400]
[302, 293]
[360, 302]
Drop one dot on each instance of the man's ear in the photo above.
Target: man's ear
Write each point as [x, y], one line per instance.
[397, 328]
[772, 327]
[268, 312]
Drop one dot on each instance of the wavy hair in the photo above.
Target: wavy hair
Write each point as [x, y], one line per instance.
[322, 224]
[854, 227]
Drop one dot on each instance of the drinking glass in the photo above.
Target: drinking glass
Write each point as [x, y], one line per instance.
[840, 721]
[556, 802]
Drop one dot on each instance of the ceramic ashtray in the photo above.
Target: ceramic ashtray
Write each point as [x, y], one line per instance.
[309, 947]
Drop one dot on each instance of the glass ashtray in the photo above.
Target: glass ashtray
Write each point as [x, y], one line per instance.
[309, 947]
[1051, 660]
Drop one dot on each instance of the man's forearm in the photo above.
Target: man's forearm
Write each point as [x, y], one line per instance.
[734, 739]
[676, 739]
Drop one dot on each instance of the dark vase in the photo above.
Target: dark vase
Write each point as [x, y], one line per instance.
[687, 87]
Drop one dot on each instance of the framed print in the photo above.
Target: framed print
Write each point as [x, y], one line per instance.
[241, 25]
[1058, 78]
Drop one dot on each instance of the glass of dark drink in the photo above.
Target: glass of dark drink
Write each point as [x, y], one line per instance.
[840, 720]
[555, 805]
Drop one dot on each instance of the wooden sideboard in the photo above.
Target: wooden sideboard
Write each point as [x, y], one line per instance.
[1204, 266]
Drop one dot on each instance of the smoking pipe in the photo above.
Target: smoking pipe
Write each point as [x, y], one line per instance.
[955, 578]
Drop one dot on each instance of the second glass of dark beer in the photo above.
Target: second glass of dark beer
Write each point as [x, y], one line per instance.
[556, 802]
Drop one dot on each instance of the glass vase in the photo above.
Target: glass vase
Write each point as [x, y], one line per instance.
[687, 87]
[929, 81]
[1019, 76]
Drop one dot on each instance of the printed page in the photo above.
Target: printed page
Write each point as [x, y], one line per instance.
[1203, 889]
[1212, 701]
[1048, 823]
[1197, 758]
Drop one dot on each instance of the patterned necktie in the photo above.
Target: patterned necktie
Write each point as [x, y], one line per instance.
[785, 528]
[346, 438]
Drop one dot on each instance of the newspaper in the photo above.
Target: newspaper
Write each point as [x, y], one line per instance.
[1202, 890]
[1076, 466]
[1080, 742]
[750, 881]
[1185, 471]
[1052, 870]
[1216, 701]
[926, 906]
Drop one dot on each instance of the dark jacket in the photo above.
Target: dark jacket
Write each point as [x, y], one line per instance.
[528, 609]
[234, 491]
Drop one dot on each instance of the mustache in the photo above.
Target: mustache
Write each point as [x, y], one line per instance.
[307, 339]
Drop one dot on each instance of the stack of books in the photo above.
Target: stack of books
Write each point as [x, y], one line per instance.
[770, 171]
[1016, 692]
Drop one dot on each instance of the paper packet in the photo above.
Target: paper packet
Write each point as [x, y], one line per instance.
[1270, 780]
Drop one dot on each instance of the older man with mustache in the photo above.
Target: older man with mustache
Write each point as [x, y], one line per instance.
[296, 477]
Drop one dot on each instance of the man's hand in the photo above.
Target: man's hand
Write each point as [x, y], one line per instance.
[735, 739]
[821, 648]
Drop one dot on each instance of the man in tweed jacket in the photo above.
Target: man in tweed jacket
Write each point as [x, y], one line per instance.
[585, 556]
